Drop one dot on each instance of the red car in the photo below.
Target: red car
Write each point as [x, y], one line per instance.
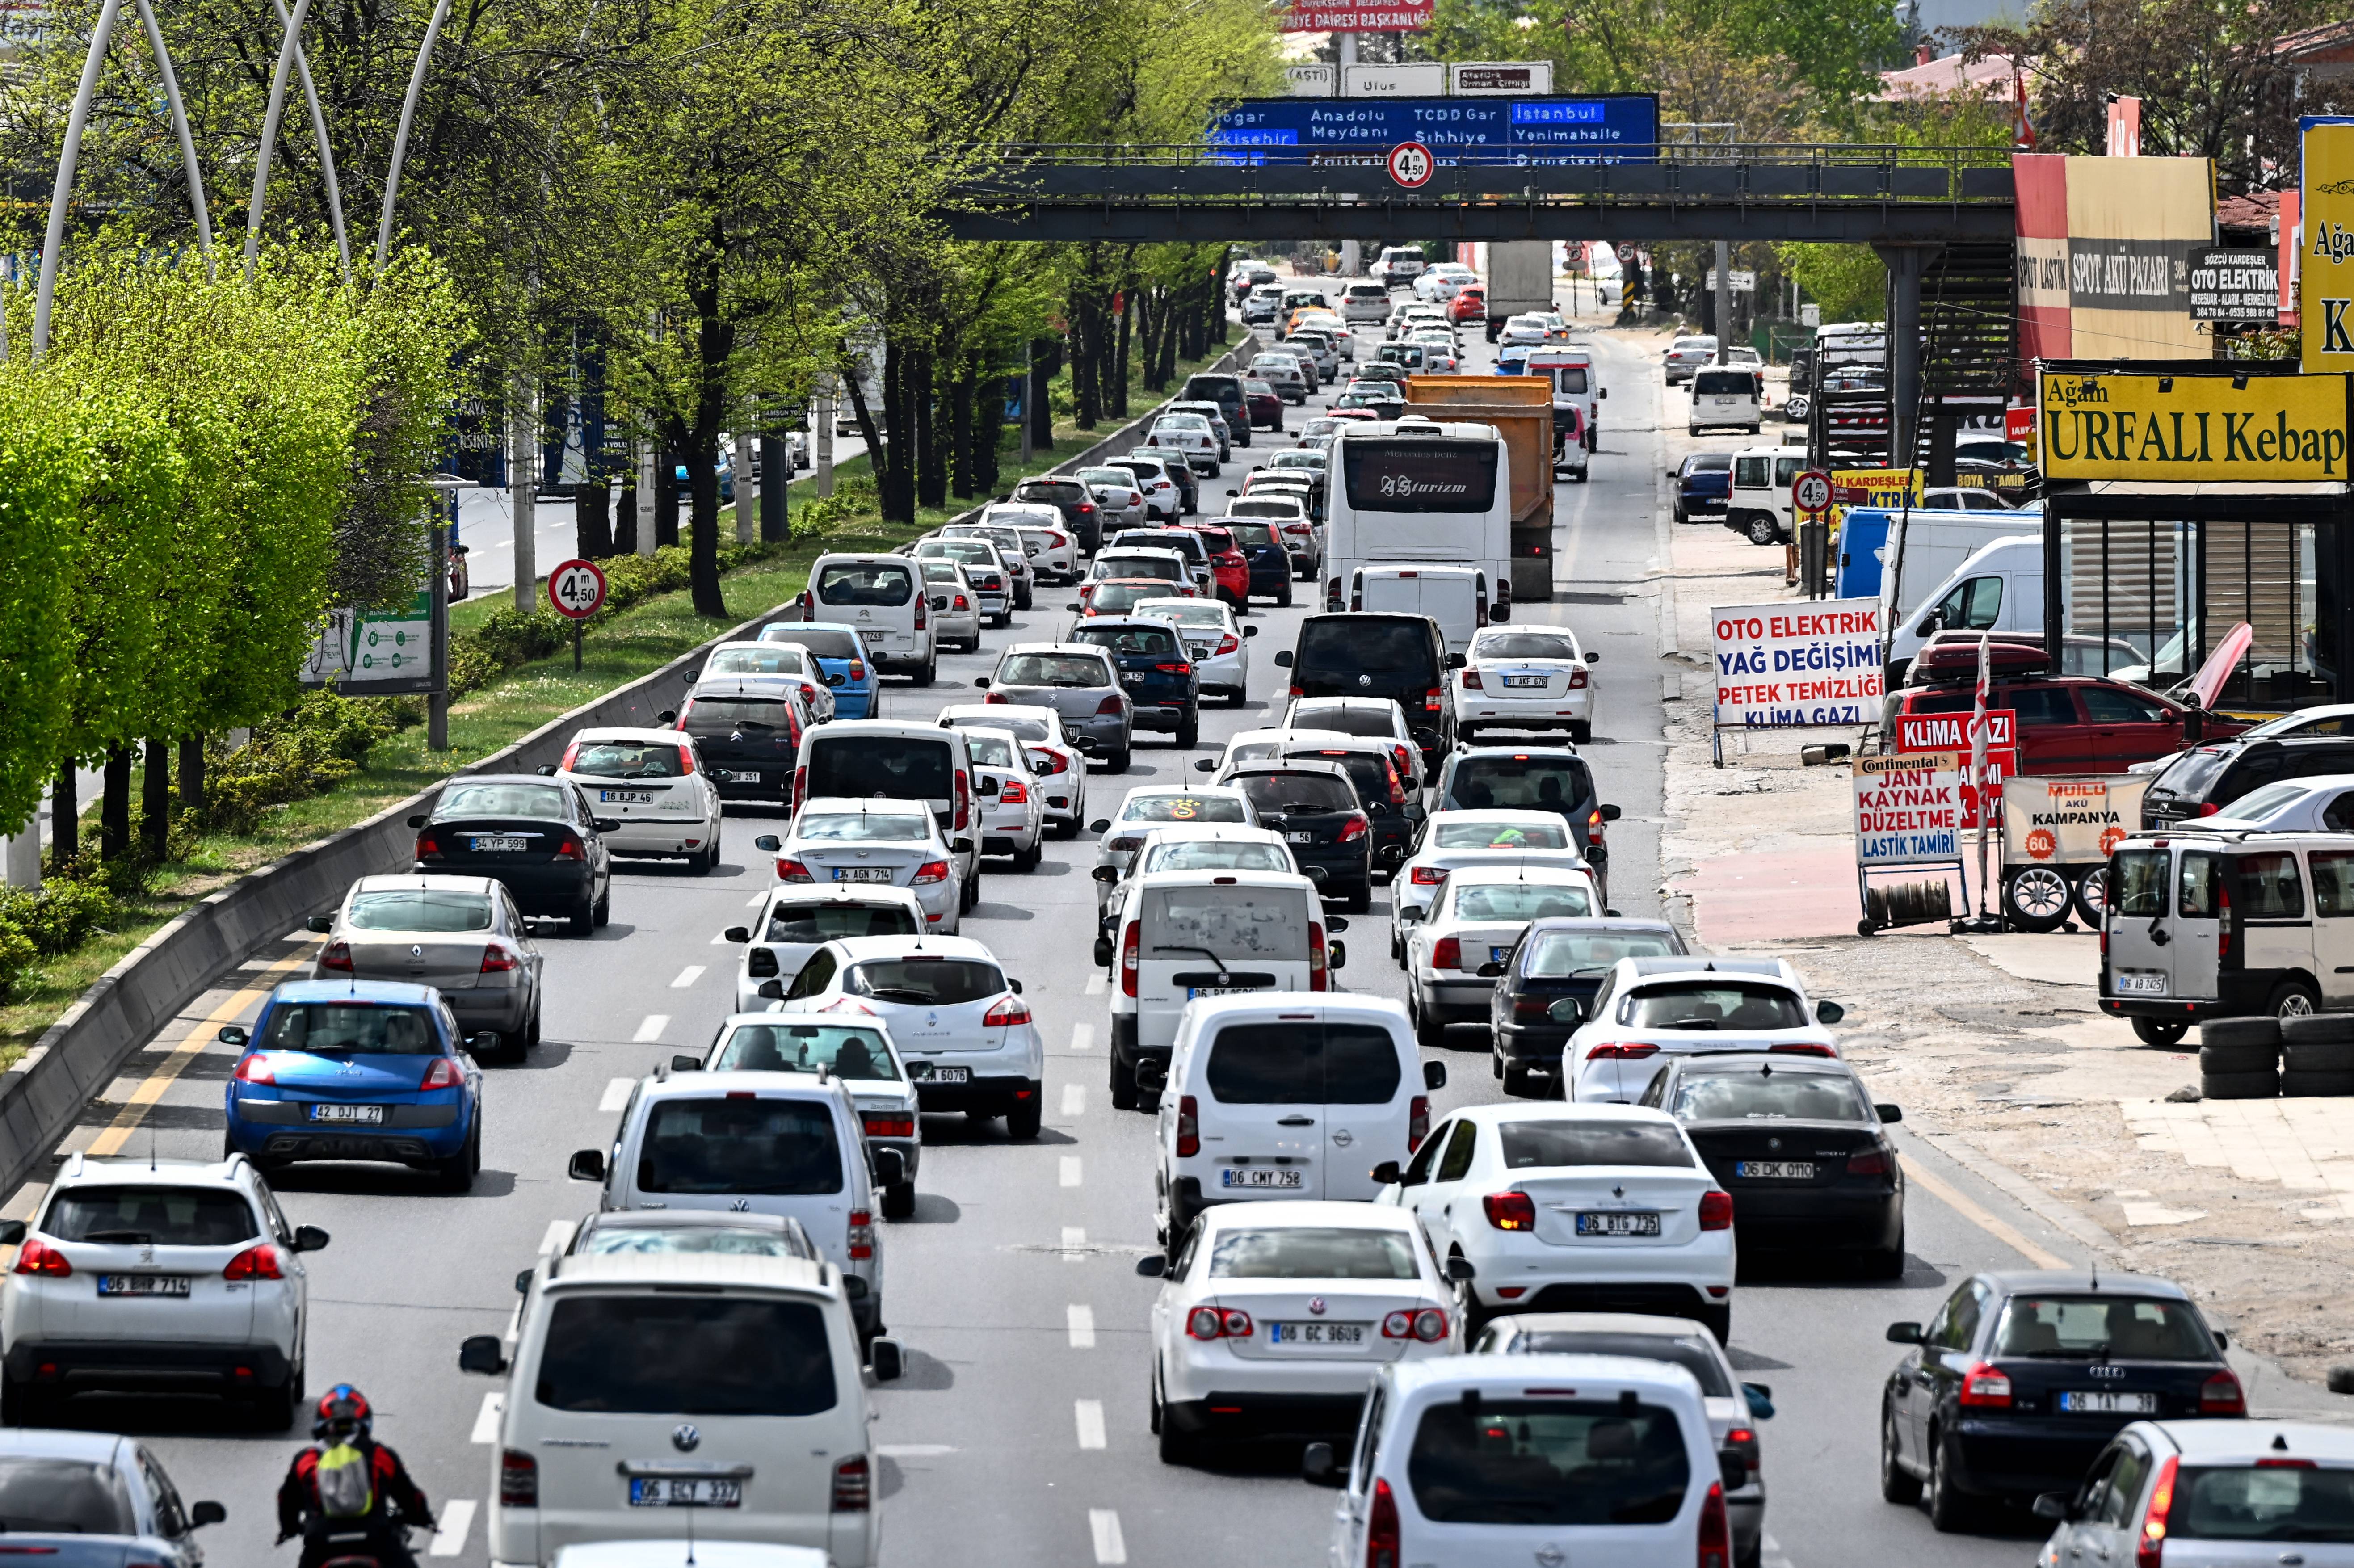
[1229, 568]
[1469, 304]
[1264, 404]
[2066, 723]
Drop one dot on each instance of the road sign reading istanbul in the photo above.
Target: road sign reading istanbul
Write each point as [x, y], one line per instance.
[1811, 491]
[576, 589]
[1410, 164]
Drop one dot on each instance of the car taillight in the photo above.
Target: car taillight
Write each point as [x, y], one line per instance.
[890, 1127]
[963, 800]
[570, 752]
[257, 1262]
[1189, 1126]
[336, 955]
[853, 1490]
[1432, 698]
[37, 1257]
[498, 959]
[1531, 1009]
[1086, 509]
[931, 872]
[1132, 943]
[960, 603]
[2222, 919]
[1356, 828]
[1715, 1210]
[1229, 642]
[428, 846]
[1801, 1048]
[1381, 1534]
[1014, 793]
[254, 1068]
[569, 848]
[922, 603]
[2149, 1547]
[1742, 1440]
[2220, 1395]
[518, 1479]
[1317, 978]
[1417, 1122]
[441, 1073]
[790, 870]
[686, 761]
[1007, 1014]
[1111, 706]
[685, 708]
[1511, 1211]
[1174, 669]
[1427, 876]
[1715, 1531]
[801, 789]
[1471, 681]
[1985, 1387]
[862, 1233]
[1448, 954]
[1626, 1051]
[1872, 1162]
[858, 670]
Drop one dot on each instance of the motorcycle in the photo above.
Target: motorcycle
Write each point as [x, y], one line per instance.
[349, 1544]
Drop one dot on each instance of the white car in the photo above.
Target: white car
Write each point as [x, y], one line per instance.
[771, 660]
[1365, 303]
[1021, 575]
[1524, 678]
[652, 783]
[1440, 354]
[1259, 744]
[1188, 436]
[857, 1052]
[957, 1019]
[1058, 761]
[2206, 1494]
[1454, 955]
[1150, 806]
[1138, 561]
[140, 1274]
[1523, 330]
[1687, 355]
[1334, 327]
[1489, 836]
[1275, 1317]
[1221, 656]
[1650, 1007]
[1317, 349]
[838, 841]
[956, 604]
[1372, 717]
[1443, 280]
[1573, 1208]
[1164, 497]
[1194, 846]
[1013, 815]
[1293, 520]
[1054, 553]
[1216, 413]
[2318, 805]
[796, 919]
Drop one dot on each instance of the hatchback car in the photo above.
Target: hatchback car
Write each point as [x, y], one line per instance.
[1057, 760]
[1264, 403]
[1645, 1008]
[1119, 498]
[1286, 374]
[77, 1497]
[1168, 484]
[656, 785]
[1183, 542]
[1020, 575]
[1452, 955]
[1703, 484]
[537, 837]
[1224, 389]
[2210, 1494]
[1315, 806]
[985, 569]
[768, 660]
[1080, 682]
[859, 1052]
[1156, 673]
[1543, 985]
[1067, 494]
[1450, 839]
[1266, 556]
[839, 841]
[461, 934]
[1376, 719]
[2280, 783]
[1177, 568]
[956, 604]
[748, 729]
[797, 918]
[1531, 778]
[840, 654]
[1525, 678]
[1217, 647]
[1394, 809]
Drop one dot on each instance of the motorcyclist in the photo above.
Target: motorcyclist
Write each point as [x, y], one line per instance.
[347, 1484]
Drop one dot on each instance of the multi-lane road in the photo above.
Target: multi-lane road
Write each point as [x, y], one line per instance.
[1018, 1436]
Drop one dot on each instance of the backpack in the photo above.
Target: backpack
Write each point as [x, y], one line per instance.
[347, 1482]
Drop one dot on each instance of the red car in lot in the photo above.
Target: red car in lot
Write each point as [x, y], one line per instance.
[1229, 568]
[1264, 404]
[1470, 304]
[2066, 723]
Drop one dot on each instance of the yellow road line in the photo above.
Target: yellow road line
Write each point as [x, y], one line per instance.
[1952, 1198]
[112, 1137]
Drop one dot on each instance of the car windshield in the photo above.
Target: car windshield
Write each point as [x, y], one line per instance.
[825, 922]
[41, 1496]
[1303, 1065]
[822, 643]
[768, 659]
[1076, 671]
[1561, 955]
[1528, 1144]
[1272, 794]
[1713, 1004]
[1548, 1462]
[1764, 1093]
[893, 767]
[864, 826]
[1449, 835]
[879, 583]
[1312, 1251]
[925, 981]
[728, 715]
[544, 801]
[1182, 809]
[849, 1051]
[724, 1144]
[1691, 1355]
[2102, 1328]
[1209, 855]
[2293, 1501]
[150, 1216]
[358, 1028]
[627, 759]
[1519, 901]
[686, 1355]
[2266, 800]
[726, 1239]
[1139, 642]
[1525, 645]
[421, 909]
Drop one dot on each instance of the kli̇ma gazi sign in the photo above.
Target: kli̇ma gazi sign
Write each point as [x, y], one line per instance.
[2192, 427]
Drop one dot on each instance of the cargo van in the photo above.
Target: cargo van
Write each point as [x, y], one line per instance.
[886, 759]
[1921, 548]
[1760, 507]
[881, 595]
[1454, 597]
[1576, 383]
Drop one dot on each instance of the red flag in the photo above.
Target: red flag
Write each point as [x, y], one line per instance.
[2022, 128]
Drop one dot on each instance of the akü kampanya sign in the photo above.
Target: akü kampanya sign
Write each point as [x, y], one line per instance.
[2280, 430]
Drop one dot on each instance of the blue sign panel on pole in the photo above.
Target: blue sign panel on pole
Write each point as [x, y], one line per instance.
[1614, 128]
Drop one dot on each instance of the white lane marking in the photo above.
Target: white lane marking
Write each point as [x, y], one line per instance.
[1091, 1422]
[486, 1420]
[754, 902]
[687, 977]
[1083, 1325]
[1096, 987]
[1070, 1169]
[617, 1091]
[914, 1450]
[651, 1029]
[559, 1232]
[457, 1519]
[1103, 1523]
[1075, 1099]
[1083, 1037]
[1075, 1242]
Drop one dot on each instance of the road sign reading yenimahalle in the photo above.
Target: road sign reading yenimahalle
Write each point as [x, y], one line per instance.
[1782, 665]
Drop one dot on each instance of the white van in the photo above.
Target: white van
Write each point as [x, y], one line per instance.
[1726, 395]
[886, 759]
[1577, 382]
[882, 596]
[767, 1143]
[1454, 597]
[1760, 506]
[1188, 934]
[1923, 546]
[1399, 265]
[645, 1383]
[2000, 588]
[1296, 1095]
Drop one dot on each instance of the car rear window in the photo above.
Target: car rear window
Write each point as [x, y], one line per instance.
[2105, 1327]
[863, 827]
[1725, 384]
[824, 644]
[1076, 670]
[1182, 809]
[2140, 882]
[1530, 1144]
[149, 1216]
[1519, 901]
[1303, 1065]
[1709, 462]
[2264, 1502]
[1713, 1004]
[1139, 642]
[1312, 1251]
[1061, 492]
[1130, 565]
[1269, 506]
[1118, 599]
[1236, 923]
[685, 1355]
[725, 1145]
[1372, 776]
[41, 1496]
[1366, 721]
[866, 583]
[826, 922]
[1271, 793]
[707, 716]
[770, 659]
[898, 768]
[627, 759]
[1386, 647]
[1252, 534]
[925, 981]
[1690, 1354]
[649, 1240]
[358, 1028]
[1200, 614]
[1210, 855]
[1213, 389]
[1525, 645]
[541, 801]
[1562, 955]
[1521, 783]
[1548, 1462]
[1765, 1093]
[849, 1051]
[1449, 835]
[421, 909]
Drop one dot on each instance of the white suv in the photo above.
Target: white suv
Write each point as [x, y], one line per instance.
[158, 1277]
[1679, 1006]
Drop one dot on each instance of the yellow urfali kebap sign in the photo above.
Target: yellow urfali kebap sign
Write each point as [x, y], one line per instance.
[2325, 292]
[2188, 428]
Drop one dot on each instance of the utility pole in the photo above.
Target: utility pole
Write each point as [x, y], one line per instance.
[523, 486]
[822, 454]
[1723, 300]
[1029, 346]
[747, 487]
[643, 448]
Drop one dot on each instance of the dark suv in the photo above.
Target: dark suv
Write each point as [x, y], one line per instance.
[1361, 653]
[2206, 780]
[1704, 486]
[1531, 778]
[1228, 393]
[1561, 958]
[1074, 501]
[1163, 690]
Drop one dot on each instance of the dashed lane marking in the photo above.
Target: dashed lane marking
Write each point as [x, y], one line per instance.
[687, 977]
[617, 1094]
[1075, 1099]
[457, 1519]
[754, 902]
[1070, 1169]
[650, 1031]
[1082, 1320]
[914, 1450]
[1083, 1038]
[486, 1420]
[1096, 987]
[1089, 1414]
[1074, 1243]
[1103, 1523]
[112, 1137]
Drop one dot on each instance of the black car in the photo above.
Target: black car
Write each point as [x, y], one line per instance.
[2206, 780]
[1797, 1141]
[1704, 485]
[1265, 552]
[1315, 807]
[536, 836]
[1074, 501]
[748, 731]
[1226, 392]
[1395, 811]
[1164, 692]
[1561, 958]
[1361, 653]
[2021, 1378]
[1532, 779]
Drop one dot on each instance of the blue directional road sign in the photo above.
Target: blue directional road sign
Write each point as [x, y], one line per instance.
[1608, 128]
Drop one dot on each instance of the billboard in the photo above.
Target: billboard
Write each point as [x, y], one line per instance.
[2276, 430]
[2103, 255]
[2233, 285]
[1339, 17]
[1605, 128]
[1794, 665]
[1908, 809]
[2326, 259]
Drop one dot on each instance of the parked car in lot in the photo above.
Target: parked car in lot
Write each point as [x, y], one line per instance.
[797, 918]
[656, 786]
[2280, 782]
[461, 934]
[536, 836]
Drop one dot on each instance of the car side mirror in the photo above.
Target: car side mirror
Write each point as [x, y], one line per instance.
[736, 934]
[206, 1513]
[1760, 1399]
[12, 1232]
[960, 846]
[685, 1063]
[1152, 1265]
[1406, 917]
[1455, 661]
[417, 822]
[1904, 1333]
[1386, 1173]
[1602, 392]
[1567, 1010]
[885, 1360]
[230, 1034]
[1610, 813]
[1889, 1113]
[1593, 658]
[1283, 658]
[320, 923]
[309, 1238]
[587, 1165]
[1106, 874]
[1733, 1465]
[1829, 1012]
[523, 1280]
[1250, 631]
[1318, 1468]
[768, 842]
[609, 824]
[1075, 606]
[1488, 971]
[1084, 745]
[981, 682]
[481, 1353]
[545, 770]
[987, 786]
[668, 715]
[1434, 1074]
[1336, 955]
[1460, 1269]
[2052, 1505]
[1151, 1077]
[772, 990]
[890, 1167]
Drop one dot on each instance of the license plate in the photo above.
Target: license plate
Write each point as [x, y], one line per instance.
[1774, 1170]
[729, 778]
[627, 797]
[677, 1491]
[143, 1285]
[498, 845]
[1300, 838]
[862, 873]
[1316, 1333]
[2100, 1402]
[1537, 681]
[927, 1073]
[1259, 1176]
[371, 1114]
[1192, 992]
[2141, 985]
[1498, 955]
[1617, 1225]
[1132, 677]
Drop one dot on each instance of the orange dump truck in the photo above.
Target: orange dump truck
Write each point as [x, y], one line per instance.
[1521, 408]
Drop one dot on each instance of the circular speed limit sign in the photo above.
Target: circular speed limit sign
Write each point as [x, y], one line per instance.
[1811, 491]
[576, 589]
[1411, 164]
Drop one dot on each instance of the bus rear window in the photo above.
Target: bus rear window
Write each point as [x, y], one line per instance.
[1414, 475]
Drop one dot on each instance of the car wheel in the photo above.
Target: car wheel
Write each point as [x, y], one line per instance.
[1026, 1117]
[931, 668]
[1176, 1448]
[1886, 1262]
[1188, 730]
[1428, 1033]
[1123, 1083]
[1947, 1502]
[1581, 733]
[2035, 898]
[1283, 593]
[23, 1404]
[1897, 1485]
[2093, 896]
[1517, 1081]
[2294, 998]
[899, 1200]
[1761, 529]
[1026, 861]
[275, 1409]
[582, 921]
[1117, 761]
[1680, 515]
[2159, 1032]
[456, 1174]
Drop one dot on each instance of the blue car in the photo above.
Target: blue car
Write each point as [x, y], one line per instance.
[364, 1070]
[840, 654]
[1704, 486]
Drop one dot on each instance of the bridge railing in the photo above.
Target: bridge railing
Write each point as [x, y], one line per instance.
[1242, 152]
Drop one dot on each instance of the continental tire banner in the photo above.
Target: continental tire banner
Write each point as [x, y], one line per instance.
[2326, 271]
[2276, 429]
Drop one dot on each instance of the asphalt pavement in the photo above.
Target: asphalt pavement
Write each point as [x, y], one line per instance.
[1018, 1436]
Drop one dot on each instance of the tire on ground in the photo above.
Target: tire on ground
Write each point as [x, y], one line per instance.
[2230, 1059]
[2239, 1086]
[2334, 1028]
[2260, 1031]
[2317, 1055]
[2316, 1086]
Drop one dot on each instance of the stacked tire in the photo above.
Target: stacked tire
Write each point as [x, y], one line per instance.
[2317, 1055]
[2239, 1058]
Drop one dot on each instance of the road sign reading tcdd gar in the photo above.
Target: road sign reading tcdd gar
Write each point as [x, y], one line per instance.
[576, 589]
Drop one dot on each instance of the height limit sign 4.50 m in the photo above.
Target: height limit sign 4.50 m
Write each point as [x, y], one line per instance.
[1411, 164]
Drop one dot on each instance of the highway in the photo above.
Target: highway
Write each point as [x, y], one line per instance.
[1018, 1436]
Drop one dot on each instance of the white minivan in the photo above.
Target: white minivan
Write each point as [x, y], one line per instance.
[1760, 506]
[648, 1384]
[1293, 1095]
[882, 596]
[1998, 588]
[1726, 395]
[1454, 597]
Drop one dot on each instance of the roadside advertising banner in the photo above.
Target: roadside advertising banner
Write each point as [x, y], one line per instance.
[2325, 285]
[1908, 809]
[2277, 429]
[1919, 733]
[2068, 821]
[1805, 662]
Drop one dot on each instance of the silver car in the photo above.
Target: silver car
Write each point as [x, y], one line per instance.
[1012, 815]
[956, 604]
[102, 1499]
[1687, 355]
[1319, 350]
[1080, 682]
[461, 934]
[983, 569]
[1188, 436]
[1059, 762]
[1119, 496]
[1216, 414]
[1010, 549]
[1221, 656]
[1284, 373]
[836, 842]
